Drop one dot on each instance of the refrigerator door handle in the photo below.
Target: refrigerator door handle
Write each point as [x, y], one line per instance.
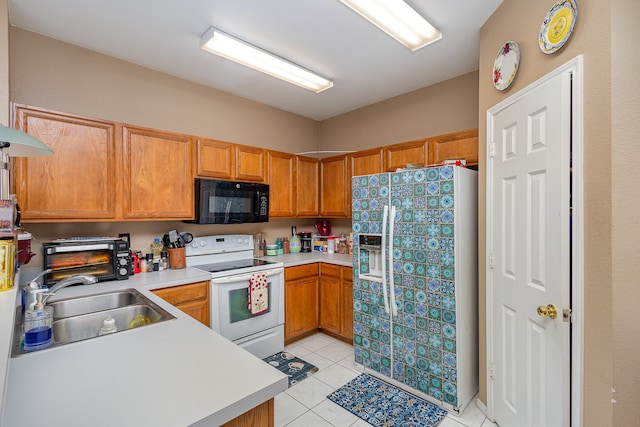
[392, 293]
[383, 244]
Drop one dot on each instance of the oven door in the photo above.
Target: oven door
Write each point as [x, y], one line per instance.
[230, 313]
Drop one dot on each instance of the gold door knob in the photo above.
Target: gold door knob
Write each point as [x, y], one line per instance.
[548, 311]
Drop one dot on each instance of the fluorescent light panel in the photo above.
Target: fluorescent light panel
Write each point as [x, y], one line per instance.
[399, 20]
[219, 43]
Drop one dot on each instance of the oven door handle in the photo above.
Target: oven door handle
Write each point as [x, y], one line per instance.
[243, 277]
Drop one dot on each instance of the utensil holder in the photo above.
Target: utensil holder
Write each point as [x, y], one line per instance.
[177, 258]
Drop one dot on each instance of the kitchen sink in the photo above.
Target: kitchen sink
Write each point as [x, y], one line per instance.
[85, 326]
[81, 318]
[93, 303]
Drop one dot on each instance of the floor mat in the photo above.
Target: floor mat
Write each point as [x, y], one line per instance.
[296, 368]
[381, 404]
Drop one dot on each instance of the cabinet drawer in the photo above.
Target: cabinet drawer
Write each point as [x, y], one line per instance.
[329, 270]
[292, 273]
[184, 293]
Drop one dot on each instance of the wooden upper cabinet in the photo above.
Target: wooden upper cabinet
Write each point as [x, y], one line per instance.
[335, 192]
[399, 155]
[158, 182]
[79, 180]
[215, 159]
[307, 186]
[452, 146]
[367, 162]
[281, 168]
[251, 163]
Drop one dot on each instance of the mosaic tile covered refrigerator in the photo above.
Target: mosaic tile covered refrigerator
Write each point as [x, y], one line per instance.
[415, 283]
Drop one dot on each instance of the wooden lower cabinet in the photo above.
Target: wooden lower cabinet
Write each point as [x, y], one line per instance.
[336, 300]
[260, 416]
[193, 299]
[330, 298]
[300, 301]
[347, 303]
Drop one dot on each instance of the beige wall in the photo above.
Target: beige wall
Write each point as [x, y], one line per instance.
[625, 182]
[446, 107]
[4, 63]
[520, 21]
[55, 75]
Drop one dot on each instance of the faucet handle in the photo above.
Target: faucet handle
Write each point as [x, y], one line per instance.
[34, 281]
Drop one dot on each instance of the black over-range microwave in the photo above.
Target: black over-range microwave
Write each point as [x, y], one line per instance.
[230, 202]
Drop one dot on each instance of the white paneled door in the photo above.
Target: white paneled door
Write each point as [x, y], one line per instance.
[529, 256]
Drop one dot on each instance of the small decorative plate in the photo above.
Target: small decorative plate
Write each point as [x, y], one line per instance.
[558, 25]
[505, 66]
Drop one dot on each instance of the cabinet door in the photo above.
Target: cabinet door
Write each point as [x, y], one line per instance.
[307, 187]
[301, 306]
[250, 164]
[281, 168]
[158, 182]
[367, 162]
[330, 298]
[335, 193]
[458, 145]
[347, 303]
[193, 299]
[79, 180]
[215, 159]
[400, 155]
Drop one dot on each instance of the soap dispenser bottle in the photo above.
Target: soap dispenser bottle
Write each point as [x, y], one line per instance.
[38, 326]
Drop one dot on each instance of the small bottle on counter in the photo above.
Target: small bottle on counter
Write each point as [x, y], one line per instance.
[264, 248]
[331, 248]
[285, 245]
[156, 248]
[164, 260]
[143, 264]
[280, 249]
[149, 263]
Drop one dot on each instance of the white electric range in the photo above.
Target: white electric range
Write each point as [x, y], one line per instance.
[229, 259]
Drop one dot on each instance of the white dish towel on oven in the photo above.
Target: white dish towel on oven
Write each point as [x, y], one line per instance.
[258, 293]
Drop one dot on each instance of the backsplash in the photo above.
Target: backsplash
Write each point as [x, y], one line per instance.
[143, 233]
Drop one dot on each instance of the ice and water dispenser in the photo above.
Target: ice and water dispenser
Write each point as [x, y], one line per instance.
[371, 250]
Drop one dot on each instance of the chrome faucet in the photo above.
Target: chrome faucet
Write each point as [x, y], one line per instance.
[85, 279]
[32, 288]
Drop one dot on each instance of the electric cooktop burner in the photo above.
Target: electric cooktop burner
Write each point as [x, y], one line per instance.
[217, 267]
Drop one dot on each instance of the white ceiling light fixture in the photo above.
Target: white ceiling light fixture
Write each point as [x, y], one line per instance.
[219, 43]
[399, 20]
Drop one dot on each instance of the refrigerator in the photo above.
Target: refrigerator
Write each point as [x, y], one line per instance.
[415, 281]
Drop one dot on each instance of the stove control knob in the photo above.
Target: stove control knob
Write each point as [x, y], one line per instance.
[203, 243]
[194, 245]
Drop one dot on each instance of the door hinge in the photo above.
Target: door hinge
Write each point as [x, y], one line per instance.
[491, 371]
[492, 149]
[567, 315]
[491, 261]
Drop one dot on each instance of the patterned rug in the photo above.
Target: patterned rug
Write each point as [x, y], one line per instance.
[383, 405]
[296, 368]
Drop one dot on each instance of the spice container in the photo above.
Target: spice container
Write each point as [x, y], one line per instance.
[331, 247]
[272, 250]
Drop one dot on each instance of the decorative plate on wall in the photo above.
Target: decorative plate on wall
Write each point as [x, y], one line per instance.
[505, 66]
[558, 25]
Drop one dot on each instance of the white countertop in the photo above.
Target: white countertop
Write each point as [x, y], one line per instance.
[300, 258]
[173, 373]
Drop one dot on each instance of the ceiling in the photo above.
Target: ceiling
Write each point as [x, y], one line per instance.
[324, 36]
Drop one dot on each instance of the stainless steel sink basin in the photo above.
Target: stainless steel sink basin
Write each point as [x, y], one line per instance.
[85, 326]
[93, 303]
[78, 319]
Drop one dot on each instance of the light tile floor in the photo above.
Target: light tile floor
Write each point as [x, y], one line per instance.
[306, 404]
